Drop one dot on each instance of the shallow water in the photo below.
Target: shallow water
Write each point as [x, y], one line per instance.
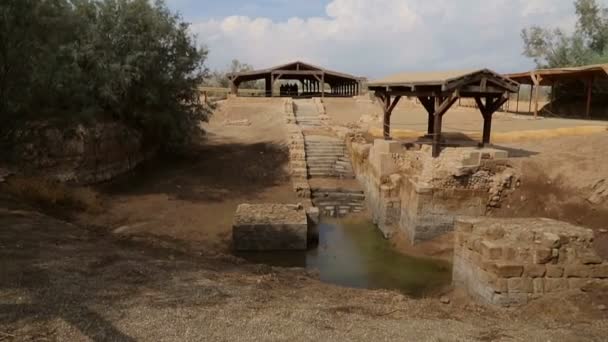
[354, 254]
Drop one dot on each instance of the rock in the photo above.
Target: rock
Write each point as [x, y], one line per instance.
[599, 192]
[603, 231]
[444, 300]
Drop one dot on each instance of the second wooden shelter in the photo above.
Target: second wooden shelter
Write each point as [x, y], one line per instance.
[438, 91]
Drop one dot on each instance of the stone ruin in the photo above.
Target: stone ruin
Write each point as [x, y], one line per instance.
[270, 227]
[509, 262]
[410, 191]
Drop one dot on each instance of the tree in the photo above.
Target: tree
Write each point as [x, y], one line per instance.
[131, 61]
[550, 48]
[220, 78]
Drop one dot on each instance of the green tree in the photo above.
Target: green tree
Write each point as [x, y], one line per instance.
[551, 48]
[131, 61]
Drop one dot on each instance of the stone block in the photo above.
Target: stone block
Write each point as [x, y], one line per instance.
[534, 270]
[542, 255]
[538, 285]
[556, 284]
[267, 227]
[505, 270]
[314, 215]
[578, 271]
[490, 250]
[387, 146]
[555, 271]
[520, 285]
[473, 159]
[600, 271]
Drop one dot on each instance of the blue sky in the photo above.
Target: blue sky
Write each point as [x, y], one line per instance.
[373, 38]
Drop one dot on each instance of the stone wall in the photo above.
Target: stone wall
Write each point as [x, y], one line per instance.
[512, 261]
[409, 191]
[297, 163]
[79, 154]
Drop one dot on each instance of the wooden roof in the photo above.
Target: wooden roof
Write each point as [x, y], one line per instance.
[297, 68]
[444, 80]
[547, 76]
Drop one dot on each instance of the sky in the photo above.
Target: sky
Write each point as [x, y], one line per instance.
[372, 38]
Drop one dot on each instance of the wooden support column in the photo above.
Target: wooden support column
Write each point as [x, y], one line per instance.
[531, 95]
[487, 109]
[429, 104]
[441, 106]
[268, 86]
[517, 103]
[536, 79]
[322, 85]
[589, 93]
[387, 108]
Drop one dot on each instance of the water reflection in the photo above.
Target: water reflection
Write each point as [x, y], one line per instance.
[354, 254]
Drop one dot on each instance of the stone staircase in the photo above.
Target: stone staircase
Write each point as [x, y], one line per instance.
[327, 157]
[338, 202]
[307, 115]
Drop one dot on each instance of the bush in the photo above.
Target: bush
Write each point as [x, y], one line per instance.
[47, 193]
[131, 61]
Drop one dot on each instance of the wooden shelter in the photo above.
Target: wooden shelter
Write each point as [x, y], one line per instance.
[549, 77]
[313, 80]
[438, 91]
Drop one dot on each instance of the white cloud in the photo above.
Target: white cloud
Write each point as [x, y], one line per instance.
[373, 38]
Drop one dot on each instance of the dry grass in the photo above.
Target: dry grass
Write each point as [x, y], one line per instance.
[50, 193]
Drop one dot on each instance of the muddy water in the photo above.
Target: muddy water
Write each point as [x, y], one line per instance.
[354, 254]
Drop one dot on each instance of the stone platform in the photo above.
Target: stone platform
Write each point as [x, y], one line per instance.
[269, 227]
[509, 262]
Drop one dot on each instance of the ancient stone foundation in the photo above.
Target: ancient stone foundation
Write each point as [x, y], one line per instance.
[407, 190]
[270, 227]
[512, 261]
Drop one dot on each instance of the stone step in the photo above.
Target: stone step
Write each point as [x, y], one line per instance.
[338, 190]
[310, 157]
[345, 195]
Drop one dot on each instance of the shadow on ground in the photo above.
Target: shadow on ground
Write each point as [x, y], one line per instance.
[212, 172]
[52, 271]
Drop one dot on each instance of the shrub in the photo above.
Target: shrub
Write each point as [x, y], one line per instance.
[131, 61]
[48, 193]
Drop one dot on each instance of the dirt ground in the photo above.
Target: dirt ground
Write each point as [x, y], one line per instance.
[64, 282]
[154, 265]
[193, 197]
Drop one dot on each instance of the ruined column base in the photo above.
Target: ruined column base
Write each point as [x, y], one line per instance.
[509, 262]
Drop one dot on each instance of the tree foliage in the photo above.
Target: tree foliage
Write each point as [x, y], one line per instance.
[220, 79]
[588, 44]
[75, 60]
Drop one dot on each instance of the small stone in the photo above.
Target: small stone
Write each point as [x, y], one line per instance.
[444, 300]
[603, 231]
[602, 307]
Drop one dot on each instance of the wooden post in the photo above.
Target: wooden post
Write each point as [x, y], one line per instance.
[531, 94]
[437, 128]
[517, 104]
[322, 85]
[552, 96]
[589, 93]
[387, 108]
